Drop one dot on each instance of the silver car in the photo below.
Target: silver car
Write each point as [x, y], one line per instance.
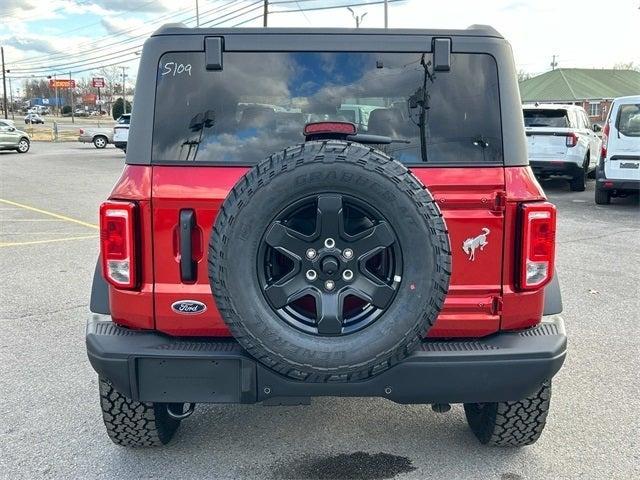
[13, 139]
[100, 137]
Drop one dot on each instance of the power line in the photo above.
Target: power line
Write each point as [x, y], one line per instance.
[96, 62]
[34, 72]
[39, 58]
[104, 56]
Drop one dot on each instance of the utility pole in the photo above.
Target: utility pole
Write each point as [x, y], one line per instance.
[386, 14]
[265, 14]
[124, 92]
[55, 87]
[357, 18]
[73, 120]
[197, 15]
[13, 114]
[553, 63]
[4, 85]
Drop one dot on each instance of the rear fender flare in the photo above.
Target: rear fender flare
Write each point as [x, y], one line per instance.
[552, 296]
[99, 302]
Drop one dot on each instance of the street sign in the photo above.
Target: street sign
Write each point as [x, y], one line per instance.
[97, 82]
[62, 83]
[89, 98]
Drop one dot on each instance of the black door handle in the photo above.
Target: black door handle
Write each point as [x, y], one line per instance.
[188, 267]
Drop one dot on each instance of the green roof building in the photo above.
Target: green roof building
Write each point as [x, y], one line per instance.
[593, 89]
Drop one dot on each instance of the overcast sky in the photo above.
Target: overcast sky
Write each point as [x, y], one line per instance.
[38, 34]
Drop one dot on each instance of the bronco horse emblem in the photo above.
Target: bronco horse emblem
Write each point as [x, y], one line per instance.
[470, 244]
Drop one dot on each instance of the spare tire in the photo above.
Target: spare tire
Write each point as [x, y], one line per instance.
[329, 261]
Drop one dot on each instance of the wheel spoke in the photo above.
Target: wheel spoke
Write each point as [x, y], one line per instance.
[286, 240]
[329, 220]
[329, 313]
[373, 240]
[288, 290]
[378, 294]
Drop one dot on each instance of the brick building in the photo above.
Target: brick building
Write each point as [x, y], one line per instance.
[592, 89]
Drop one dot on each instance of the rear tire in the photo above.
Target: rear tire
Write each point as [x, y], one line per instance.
[579, 182]
[510, 424]
[100, 142]
[603, 197]
[134, 424]
[23, 146]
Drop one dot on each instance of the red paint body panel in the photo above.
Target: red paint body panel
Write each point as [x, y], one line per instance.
[131, 308]
[481, 299]
[519, 309]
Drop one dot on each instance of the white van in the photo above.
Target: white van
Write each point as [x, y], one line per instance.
[618, 172]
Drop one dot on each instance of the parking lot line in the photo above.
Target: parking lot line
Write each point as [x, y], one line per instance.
[51, 214]
[52, 240]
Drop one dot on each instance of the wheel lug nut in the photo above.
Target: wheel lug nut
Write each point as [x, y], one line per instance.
[347, 253]
[311, 275]
[329, 285]
[311, 254]
[347, 275]
[329, 243]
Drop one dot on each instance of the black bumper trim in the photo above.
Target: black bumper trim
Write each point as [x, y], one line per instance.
[150, 366]
[626, 185]
[556, 168]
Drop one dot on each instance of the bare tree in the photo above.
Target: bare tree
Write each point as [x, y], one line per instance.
[522, 76]
[112, 76]
[627, 66]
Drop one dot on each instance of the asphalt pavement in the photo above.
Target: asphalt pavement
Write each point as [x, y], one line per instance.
[50, 421]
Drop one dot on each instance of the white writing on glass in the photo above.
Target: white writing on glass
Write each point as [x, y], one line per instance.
[175, 69]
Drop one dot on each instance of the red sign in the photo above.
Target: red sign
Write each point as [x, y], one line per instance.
[89, 98]
[97, 82]
[62, 83]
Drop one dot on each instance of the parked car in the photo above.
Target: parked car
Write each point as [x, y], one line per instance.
[100, 137]
[13, 139]
[121, 131]
[618, 172]
[32, 118]
[246, 261]
[561, 142]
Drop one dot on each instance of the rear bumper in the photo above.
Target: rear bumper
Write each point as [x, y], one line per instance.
[547, 168]
[604, 183]
[626, 185]
[121, 145]
[149, 366]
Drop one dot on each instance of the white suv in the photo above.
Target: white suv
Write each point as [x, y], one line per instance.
[561, 142]
[618, 172]
[121, 131]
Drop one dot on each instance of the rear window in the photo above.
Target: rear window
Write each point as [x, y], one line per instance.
[259, 103]
[628, 121]
[555, 118]
[124, 120]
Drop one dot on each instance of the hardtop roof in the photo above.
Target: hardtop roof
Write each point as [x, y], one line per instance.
[471, 31]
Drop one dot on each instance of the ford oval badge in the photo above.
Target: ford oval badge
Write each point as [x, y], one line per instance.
[188, 307]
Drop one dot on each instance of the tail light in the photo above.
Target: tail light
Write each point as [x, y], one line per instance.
[572, 140]
[118, 243]
[538, 245]
[81, 131]
[605, 140]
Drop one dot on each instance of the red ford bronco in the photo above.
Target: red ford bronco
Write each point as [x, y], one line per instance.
[313, 213]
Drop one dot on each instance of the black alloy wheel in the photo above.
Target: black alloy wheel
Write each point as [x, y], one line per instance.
[331, 264]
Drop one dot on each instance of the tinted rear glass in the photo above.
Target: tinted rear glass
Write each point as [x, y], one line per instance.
[124, 120]
[628, 122]
[260, 103]
[546, 118]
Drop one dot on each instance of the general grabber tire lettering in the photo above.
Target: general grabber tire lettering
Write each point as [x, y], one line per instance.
[135, 424]
[510, 424]
[359, 187]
